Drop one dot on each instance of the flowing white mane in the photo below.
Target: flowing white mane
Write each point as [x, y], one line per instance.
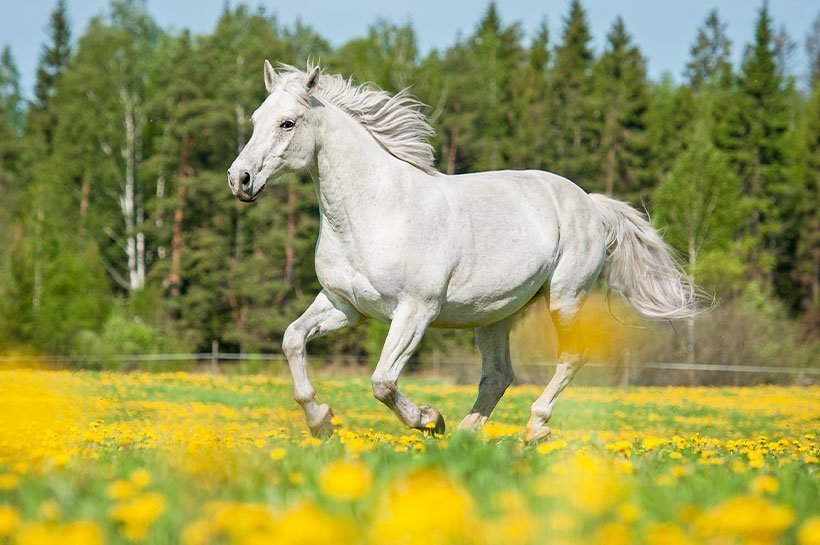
[395, 122]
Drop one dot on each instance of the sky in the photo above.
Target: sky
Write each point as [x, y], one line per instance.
[663, 29]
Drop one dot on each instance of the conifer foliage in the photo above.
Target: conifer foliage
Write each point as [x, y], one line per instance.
[118, 233]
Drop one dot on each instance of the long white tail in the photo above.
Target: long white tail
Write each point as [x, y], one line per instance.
[642, 266]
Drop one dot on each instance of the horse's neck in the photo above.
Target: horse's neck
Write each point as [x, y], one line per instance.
[355, 174]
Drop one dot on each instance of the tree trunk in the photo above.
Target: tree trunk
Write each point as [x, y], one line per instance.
[134, 248]
[37, 288]
[610, 172]
[85, 193]
[184, 172]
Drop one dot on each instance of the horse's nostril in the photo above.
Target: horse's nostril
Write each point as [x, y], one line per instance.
[245, 179]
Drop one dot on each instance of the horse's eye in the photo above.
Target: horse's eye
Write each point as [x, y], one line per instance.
[288, 124]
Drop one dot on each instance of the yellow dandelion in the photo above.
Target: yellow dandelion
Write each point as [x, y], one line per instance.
[809, 532]
[345, 480]
[9, 481]
[140, 478]
[198, 532]
[74, 533]
[9, 519]
[651, 442]
[278, 454]
[305, 524]
[745, 516]
[121, 489]
[138, 514]
[764, 484]
[614, 533]
[629, 512]
[666, 533]
[621, 447]
[425, 508]
[551, 446]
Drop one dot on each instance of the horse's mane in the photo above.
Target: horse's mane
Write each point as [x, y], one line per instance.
[395, 122]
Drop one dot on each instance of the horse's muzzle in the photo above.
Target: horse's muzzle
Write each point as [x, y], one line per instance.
[242, 186]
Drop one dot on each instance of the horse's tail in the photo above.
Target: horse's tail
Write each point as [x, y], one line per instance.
[642, 266]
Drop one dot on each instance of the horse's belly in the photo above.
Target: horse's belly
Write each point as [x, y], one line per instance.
[466, 308]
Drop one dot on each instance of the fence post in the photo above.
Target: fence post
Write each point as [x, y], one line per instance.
[215, 357]
[625, 377]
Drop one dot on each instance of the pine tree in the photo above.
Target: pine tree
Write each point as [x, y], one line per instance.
[571, 104]
[668, 120]
[711, 89]
[479, 75]
[753, 133]
[531, 131]
[11, 149]
[54, 58]
[495, 56]
[710, 54]
[11, 100]
[622, 97]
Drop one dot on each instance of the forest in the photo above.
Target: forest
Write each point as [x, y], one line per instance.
[119, 235]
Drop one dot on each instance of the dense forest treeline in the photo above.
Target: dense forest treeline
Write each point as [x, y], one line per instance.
[118, 233]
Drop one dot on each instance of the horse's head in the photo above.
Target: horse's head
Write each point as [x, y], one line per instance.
[283, 138]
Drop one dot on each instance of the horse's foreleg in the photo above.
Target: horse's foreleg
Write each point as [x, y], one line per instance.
[572, 358]
[406, 330]
[325, 315]
[496, 372]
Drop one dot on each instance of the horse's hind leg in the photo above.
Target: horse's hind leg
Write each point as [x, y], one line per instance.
[496, 372]
[410, 321]
[572, 357]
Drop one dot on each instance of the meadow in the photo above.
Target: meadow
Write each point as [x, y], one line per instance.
[94, 457]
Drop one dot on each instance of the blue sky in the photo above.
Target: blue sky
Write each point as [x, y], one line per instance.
[663, 29]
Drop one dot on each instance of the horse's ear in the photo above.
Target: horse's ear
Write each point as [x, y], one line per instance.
[270, 76]
[313, 78]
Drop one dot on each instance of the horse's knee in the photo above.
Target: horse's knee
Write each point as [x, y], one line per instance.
[293, 342]
[383, 389]
[572, 360]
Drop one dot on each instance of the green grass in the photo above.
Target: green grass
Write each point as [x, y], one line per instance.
[241, 439]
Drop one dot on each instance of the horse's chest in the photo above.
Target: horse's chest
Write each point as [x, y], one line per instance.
[340, 273]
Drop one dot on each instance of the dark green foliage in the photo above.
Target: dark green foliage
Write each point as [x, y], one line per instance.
[572, 103]
[710, 53]
[54, 58]
[621, 105]
[117, 231]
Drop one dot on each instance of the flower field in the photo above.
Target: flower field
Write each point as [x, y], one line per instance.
[90, 458]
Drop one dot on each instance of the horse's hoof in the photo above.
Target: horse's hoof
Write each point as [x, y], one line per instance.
[322, 427]
[537, 432]
[431, 421]
[472, 423]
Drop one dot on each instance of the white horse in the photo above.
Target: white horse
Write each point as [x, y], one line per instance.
[403, 243]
